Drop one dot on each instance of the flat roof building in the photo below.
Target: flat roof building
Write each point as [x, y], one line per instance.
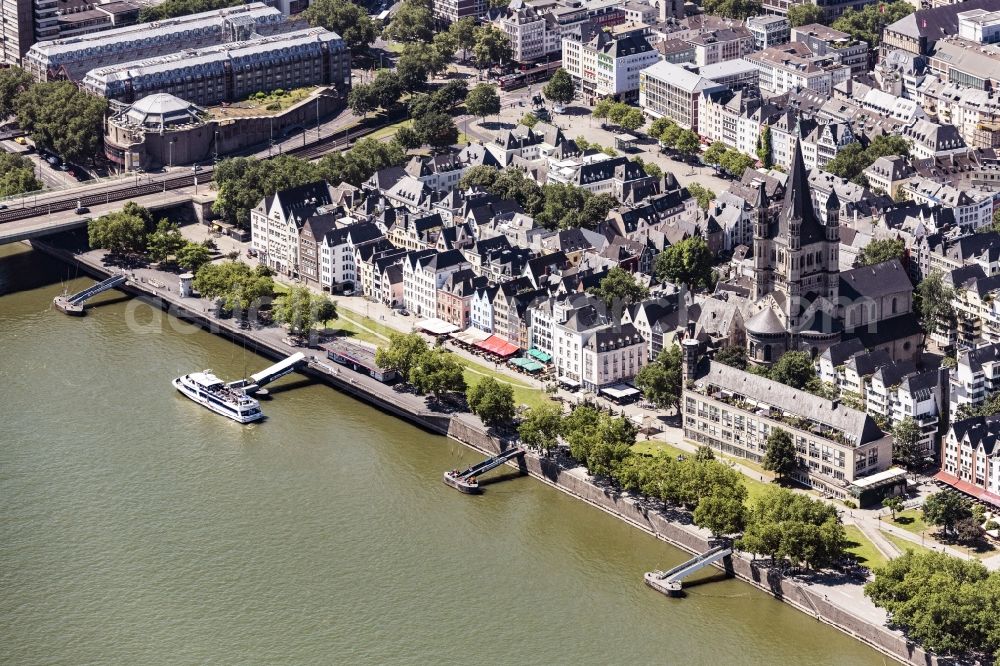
[231, 72]
[671, 91]
[73, 58]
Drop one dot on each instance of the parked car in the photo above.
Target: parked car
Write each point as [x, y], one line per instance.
[80, 210]
[559, 108]
[196, 168]
[53, 160]
[3, 206]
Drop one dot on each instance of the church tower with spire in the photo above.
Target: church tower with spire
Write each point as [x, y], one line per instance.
[796, 255]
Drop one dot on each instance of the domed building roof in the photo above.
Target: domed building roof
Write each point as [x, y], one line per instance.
[163, 110]
[765, 322]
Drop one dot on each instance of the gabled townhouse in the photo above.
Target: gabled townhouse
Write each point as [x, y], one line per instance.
[310, 238]
[387, 272]
[338, 267]
[276, 220]
[919, 396]
[656, 213]
[975, 376]
[929, 139]
[590, 350]
[409, 193]
[881, 387]
[365, 258]
[424, 273]
[481, 308]
[970, 458]
[972, 209]
[454, 298]
[646, 315]
[540, 268]
[416, 231]
[831, 364]
[888, 174]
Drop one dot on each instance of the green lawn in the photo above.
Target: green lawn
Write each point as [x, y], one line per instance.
[350, 328]
[911, 520]
[863, 549]
[903, 544]
[524, 394]
[389, 130]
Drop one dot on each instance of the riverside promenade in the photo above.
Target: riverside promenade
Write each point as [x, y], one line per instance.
[830, 598]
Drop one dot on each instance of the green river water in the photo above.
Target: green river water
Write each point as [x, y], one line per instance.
[139, 528]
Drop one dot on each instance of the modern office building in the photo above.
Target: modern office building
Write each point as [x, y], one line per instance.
[823, 40]
[55, 19]
[671, 91]
[769, 30]
[17, 30]
[450, 11]
[73, 58]
[231, 72]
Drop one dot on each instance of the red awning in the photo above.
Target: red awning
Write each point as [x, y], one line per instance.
[968, 488]
[498, 346]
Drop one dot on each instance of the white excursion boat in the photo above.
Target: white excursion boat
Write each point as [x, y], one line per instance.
[210, 391]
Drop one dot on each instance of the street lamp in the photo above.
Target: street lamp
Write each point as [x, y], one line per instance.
[216, 146]
[171, 160]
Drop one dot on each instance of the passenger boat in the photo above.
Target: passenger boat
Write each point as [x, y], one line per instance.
[209, 391]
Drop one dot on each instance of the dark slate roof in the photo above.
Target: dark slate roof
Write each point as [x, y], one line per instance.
[614, 337]
[841, 352]
[361, 232]
[854, 424]
[798, 204]
[869, 362]
[940, 21]
[976, 357]
[980, 430]
[893, 373]
[320, 226]
[874, 281]
[305, 199]
[920, 384]
[904, 326]
[765, 322]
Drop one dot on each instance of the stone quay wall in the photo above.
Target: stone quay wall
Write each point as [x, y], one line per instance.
[674, 528]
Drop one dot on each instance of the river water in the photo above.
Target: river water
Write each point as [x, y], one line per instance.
[138, 528]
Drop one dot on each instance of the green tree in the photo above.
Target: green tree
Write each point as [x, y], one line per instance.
[60, 116]
[361, 100]
[805, 14]
[386, 89]
[764, 143]
[794, 369]
[720, 515]
[620, 286]
[658, 125]
[686, 262]
[436, 129]
[243, 182]
[447, 96]
[412, 22]
[464, 32]
[529, 120]
[300, 309]
[401, 353]
[906, 446]
[408, 138]
[192, 256]
[734, 356]
[933, 298]
[784, 524]
[661, 382]
[894, 504]
[945, 604]
[867, 24]
[236, 284]
[492, 47]
[492, 401]
[436, 371]
[165, 241]
[17, 174]
[119, 233]
[851, 160]
[714, 152]
[780, 455]
[704, 195]
[879, 251]
[734, 9]
[445, 44]
[603, 107]
[13, 82]
[945, 509]
[632, 120]
[483, 100]
[350, 21]
[735, 163]
[560, 88]
[687, 143]
[541, 425]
